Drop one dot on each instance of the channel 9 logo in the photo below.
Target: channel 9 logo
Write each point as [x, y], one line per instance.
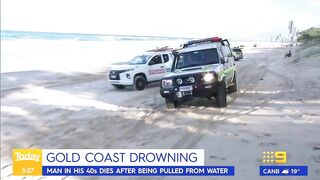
[278, 157]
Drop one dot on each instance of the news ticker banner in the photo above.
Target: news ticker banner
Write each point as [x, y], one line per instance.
[114, 162]
[136, 162]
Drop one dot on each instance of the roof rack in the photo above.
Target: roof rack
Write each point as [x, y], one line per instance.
[165, 48]
[206, 40]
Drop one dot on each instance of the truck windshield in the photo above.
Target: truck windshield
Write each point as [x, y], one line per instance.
[197, 58]
[236, 50]
[142, 59]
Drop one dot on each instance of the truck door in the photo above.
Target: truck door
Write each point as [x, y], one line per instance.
[224, 58]
[156, 68]
[229, 60]
[167, 61]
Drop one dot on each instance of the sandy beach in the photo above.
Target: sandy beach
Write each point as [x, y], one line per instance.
[276, 108]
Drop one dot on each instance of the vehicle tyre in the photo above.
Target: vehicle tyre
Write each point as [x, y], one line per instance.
[118, 86]
[171, 104]
[234, 87]
[221, 96]
[140, 82]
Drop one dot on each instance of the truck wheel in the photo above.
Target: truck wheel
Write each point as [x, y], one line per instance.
[234, 87]
[221, 96]
[171, 104]
[140, 82]
[118, 86]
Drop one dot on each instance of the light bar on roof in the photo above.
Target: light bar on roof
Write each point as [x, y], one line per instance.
[212, 39]
[165, 48]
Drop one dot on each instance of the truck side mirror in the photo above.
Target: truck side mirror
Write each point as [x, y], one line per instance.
[222, 61]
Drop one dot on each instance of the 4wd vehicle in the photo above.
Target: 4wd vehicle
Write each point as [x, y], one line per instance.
[142, 69]
[237, 52]
[202, 68]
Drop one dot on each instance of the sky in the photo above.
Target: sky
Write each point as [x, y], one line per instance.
[238, 19]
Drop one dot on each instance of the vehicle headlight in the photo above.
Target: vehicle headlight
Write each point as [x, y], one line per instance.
[127, 70]
[179, 81]
[166, 83]
[191, 79]
[208, 77]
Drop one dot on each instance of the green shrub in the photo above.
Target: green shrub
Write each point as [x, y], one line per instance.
[309, 34]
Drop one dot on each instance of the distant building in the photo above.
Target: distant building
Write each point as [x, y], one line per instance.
[292, 32]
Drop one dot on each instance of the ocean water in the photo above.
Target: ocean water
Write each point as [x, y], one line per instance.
[13, 35]
[65, 52]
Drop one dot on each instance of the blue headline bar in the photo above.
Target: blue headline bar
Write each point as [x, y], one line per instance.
[138, 170]
[283, 170]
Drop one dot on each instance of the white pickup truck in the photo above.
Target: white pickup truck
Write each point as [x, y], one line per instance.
[148, 67]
